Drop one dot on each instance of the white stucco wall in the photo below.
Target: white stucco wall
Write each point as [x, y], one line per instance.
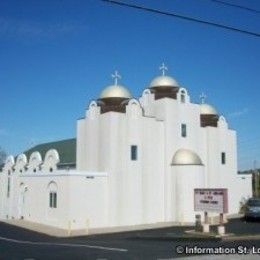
[2, 194]
[187, 178]
[108, 138]
[81, 198]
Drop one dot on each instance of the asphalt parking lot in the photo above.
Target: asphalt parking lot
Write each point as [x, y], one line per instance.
[18, 243]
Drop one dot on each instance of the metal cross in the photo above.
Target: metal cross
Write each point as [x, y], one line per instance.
[202, 97]
[116, 76]
[163, 68]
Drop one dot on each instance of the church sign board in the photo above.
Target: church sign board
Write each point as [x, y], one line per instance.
[211, 200]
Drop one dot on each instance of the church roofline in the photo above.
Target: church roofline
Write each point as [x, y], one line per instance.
[66, 149]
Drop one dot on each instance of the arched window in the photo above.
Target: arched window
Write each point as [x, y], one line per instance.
[53, 199]
[8, 184]
[183, 96]
[52, 188]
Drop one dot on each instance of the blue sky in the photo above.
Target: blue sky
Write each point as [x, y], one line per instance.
[55, 56]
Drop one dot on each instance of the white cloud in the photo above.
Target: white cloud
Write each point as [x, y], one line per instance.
[11, 27]
[239, 112]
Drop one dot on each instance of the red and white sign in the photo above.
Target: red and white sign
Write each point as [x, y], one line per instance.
[211, 200]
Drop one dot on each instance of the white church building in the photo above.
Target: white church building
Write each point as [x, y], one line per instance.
[133, 162]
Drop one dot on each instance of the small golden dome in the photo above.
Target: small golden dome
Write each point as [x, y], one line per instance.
[186, 157]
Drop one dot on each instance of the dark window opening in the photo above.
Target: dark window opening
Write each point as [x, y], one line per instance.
[183, 130]
[223, 158]
[53, 200]
[8, 187]
[182, 96]
[50, 200]
[51, 170]
[133, 152]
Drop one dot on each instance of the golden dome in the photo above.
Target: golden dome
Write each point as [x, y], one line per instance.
[115, 91]
[186, 157]
[164, 81]
[206, 109]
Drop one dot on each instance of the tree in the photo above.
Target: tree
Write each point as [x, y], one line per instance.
[3, 155]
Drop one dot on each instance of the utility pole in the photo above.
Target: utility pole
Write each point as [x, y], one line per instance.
[256, 179]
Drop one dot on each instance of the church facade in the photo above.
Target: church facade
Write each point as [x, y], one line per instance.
[135, 161]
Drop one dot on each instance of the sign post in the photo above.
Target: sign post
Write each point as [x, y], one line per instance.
[211, 200]
[206, 217]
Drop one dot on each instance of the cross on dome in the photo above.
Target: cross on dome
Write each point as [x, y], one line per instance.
[163, 68]
[202, 97]
[116, 76]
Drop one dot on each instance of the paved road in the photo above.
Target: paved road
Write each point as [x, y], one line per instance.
[17, 243]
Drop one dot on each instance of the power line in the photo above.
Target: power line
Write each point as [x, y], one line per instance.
[236, 6]
[143, 8]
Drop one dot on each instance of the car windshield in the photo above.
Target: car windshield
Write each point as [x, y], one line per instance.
[254, 203]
